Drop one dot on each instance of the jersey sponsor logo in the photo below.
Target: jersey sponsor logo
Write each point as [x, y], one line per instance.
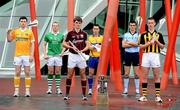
[77, 41]
[21, 39]
[82, 36]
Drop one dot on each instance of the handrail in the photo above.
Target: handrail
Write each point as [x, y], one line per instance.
[9, 26]
[52, 17]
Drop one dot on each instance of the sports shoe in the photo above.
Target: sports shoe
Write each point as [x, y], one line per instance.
[49, 91]
[142, 99]
[137, 91]
[124, 94]
[137, 95]
[66, 98]
[158, 99]
[90, 92]
[27, 94]
[58, 91]
[84, 98]
[16, 93]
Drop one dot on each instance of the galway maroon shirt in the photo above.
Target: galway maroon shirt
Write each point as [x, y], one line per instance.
[78, 39]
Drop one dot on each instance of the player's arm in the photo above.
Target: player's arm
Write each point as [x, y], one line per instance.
[32, 48]
[132, 43]
[44, 49]
[160, 42]
[9, 35]
[66, 44]
[32, 51]
[91, 47]
[125, 44]
[87, 46]
[145, 45]
[142, 43]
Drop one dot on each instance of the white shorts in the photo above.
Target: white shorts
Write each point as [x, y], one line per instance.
[21, 60]
[151, 60]
[75, 60]
[54, 61]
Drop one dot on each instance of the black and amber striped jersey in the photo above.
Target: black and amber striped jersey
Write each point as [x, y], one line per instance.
[147, 37]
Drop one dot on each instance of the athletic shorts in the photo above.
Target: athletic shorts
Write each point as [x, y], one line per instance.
[21, 61]
[93, 62]
[75, 60]
[131, 59]
[151, 60]
[54, 61]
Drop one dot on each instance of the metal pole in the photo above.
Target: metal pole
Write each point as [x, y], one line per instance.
[151, 8]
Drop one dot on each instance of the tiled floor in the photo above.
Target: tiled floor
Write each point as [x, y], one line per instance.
[41, 101]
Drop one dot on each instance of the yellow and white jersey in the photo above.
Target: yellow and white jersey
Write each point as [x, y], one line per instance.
[23, 40]
[95, 41]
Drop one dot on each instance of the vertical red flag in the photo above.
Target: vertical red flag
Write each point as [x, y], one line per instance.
[115, 60]
[108, 32]
[36, 49]
[70, 26]
[142, 29]
[171, 46]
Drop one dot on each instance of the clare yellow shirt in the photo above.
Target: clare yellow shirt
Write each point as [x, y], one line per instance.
[23, 40]
[95, 40]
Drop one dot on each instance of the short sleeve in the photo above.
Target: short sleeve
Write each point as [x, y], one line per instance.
[142, 39]
[13, 34]
[46, 38]
[68, 37]
[161, 40]
[85, 36]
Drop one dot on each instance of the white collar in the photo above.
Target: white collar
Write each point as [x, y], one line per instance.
[55, 33]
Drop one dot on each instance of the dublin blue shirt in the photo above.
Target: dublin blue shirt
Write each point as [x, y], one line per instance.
[131, 38]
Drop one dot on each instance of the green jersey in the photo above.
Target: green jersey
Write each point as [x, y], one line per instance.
[54, 43]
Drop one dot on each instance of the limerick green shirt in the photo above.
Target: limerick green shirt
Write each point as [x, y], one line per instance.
[54, 43]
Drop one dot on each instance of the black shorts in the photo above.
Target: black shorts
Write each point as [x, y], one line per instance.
[131, 58]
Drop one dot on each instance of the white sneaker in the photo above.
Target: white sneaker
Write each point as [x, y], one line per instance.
[142, 99]
[158, 99]
[84, 98]
[124, 94]
[58, 91]
[66, 98]
[90, 92]
[137, 91]
[16, 94]
[49, 91]
[27, 94]
[138, 95]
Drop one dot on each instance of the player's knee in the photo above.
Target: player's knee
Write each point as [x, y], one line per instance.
[70, 75]
[57, 72]
[91, 74]
[51, 72]
[83, 76]
[126, 76]
[136, 76]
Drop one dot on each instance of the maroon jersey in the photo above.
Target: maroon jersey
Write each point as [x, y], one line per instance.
[78, 39]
